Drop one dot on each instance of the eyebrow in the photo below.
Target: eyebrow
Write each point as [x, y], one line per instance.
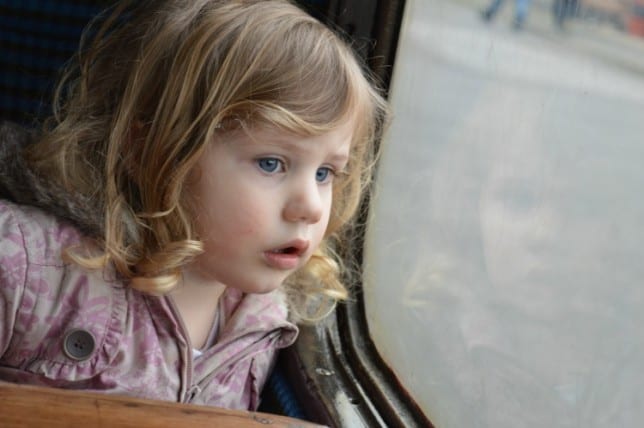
[296, 146]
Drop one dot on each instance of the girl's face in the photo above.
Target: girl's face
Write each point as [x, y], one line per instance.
[263, 204]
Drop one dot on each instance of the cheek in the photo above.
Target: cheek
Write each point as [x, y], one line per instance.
[230, 211]
[247, 224]
[322, 226]
[233, 222]
[226, 237]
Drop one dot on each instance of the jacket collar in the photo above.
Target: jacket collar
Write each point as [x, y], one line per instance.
[21, 184]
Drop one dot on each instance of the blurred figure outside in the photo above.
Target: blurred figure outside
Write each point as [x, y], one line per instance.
[520, 11]
[564, 10]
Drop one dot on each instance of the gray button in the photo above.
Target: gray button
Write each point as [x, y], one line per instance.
[78, 344]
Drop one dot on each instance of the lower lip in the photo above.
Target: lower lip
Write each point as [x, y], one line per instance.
[283, 261]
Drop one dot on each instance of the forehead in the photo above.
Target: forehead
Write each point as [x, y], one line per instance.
[337, 139]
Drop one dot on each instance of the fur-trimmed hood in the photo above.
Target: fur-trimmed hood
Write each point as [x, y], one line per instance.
[20, 184]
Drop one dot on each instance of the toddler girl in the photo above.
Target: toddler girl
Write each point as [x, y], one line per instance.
[200, 165]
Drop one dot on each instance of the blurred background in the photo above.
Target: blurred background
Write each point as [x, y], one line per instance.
[504, 258]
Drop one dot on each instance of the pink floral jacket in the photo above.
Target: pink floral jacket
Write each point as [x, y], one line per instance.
[66, 327]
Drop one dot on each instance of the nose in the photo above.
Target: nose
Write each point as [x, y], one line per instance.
[304, 203]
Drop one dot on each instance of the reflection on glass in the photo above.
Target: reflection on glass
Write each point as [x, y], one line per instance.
[504, 258]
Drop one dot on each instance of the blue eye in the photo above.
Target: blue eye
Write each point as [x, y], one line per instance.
[322, 174]
[269, 164]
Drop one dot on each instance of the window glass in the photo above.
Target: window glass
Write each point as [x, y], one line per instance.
[504, 257]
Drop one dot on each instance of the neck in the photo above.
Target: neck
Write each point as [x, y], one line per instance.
[197, 299]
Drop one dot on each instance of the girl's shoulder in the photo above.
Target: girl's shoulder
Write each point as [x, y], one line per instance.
[41, 236]
[44, 299]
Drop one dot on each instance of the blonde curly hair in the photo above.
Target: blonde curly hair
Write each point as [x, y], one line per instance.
[156, 81]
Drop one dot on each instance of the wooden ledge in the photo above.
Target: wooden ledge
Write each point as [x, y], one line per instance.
[31, 406]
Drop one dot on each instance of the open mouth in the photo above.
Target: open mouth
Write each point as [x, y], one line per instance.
[287, 257]
[287, 250]
[293, 248]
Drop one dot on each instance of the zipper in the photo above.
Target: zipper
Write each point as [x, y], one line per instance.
[187, 392]
[248, 352]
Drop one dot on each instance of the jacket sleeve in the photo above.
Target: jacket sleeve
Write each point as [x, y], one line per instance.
[13, 270]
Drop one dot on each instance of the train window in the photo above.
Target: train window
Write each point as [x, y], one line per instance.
[503, 254]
